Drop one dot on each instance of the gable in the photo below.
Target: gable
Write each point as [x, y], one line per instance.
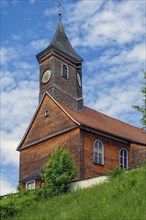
[45, 126]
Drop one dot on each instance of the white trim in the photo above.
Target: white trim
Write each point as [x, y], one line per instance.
[122, 156]
[29, 182]
[102, 152]
[27, 130]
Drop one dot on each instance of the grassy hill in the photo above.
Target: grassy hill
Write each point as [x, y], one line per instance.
[122, 198]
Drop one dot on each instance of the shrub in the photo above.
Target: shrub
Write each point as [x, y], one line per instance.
[59, 170]
[114, 173]
[8, 207]
[15, 203]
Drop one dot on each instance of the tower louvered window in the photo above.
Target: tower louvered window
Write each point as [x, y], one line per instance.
[64, 71]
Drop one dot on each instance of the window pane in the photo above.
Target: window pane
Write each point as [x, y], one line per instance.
[123, 158]
[100, 145]
[100, 160]
[125, 153]
[100, 155]
[125, 161]
[30, 185]
[96, 144]
[98, 151]
[95, 159]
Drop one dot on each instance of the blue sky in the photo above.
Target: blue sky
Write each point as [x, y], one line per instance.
[108, 34]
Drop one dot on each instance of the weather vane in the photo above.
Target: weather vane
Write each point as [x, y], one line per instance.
[59, 8]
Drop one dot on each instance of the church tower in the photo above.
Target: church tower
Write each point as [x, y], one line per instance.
[61, 71]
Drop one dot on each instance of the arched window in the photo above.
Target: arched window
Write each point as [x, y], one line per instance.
[64, 71]
[123, 158]
[98, 152]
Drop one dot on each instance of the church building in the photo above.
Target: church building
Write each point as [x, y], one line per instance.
[97, 142]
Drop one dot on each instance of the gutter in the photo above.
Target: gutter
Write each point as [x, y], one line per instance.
[107, 135]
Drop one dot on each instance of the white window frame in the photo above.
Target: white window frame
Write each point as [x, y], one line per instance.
[62, 71]
[29, 182]
[96, 151]
[122, 165]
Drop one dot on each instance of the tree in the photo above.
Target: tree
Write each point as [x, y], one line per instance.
[142, 108]
[58, 171]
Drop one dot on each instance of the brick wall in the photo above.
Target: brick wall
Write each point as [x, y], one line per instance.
[137, 155]
[111, 154]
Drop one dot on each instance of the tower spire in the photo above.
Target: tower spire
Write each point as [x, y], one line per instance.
[59, 9]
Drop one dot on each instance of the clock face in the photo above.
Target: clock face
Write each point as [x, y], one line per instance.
[79, 79]
[46, 76]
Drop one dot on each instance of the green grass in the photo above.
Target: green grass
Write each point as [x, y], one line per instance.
[123, 198]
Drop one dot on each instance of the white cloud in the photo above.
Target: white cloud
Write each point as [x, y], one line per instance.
[9, 155]
[13, 104]
[110, 25]
[115, 101]
[6, 187]
[137, 54]
[17, 108]
[39, 44]
[32, 1]
[16, 37]
[24, 66]
[127, 55]
[81, 11]
[7, 80]
[50, 11]
[7, 54]
[3, 3]
[14, 2]
[116, 82]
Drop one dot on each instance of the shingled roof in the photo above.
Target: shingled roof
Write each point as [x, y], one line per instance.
[61, 44]
[103, 123]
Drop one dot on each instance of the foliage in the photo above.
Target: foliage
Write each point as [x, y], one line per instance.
[15, 203]
[8, 208]
[114, 173]
[59, 170]
[122, 198]
[142, 108]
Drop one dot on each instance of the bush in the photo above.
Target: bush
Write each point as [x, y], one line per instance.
[15, 203]
[59, 170]
[8, 207]
[114, 173]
